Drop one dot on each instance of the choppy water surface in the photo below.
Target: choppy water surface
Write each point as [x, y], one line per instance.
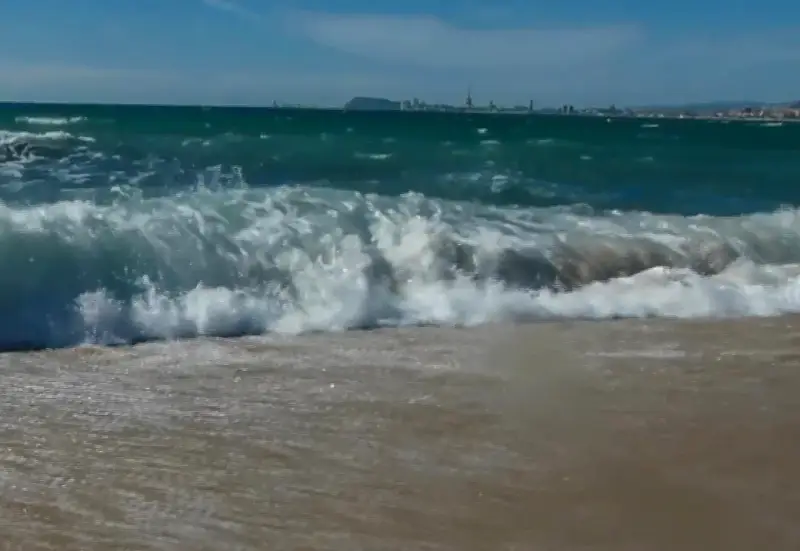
[382, 338]
[176, 222]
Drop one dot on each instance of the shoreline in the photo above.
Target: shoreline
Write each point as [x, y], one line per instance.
[546, 326]
[636, 434]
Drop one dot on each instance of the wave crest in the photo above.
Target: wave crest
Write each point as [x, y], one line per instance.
[306, 259]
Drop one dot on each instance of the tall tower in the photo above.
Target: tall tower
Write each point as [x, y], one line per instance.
[469, 97]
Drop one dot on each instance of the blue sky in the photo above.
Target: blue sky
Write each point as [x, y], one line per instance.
[324, 52]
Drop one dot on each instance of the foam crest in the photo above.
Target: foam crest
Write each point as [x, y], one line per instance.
[49, 121]
[298, 259]
[9, 136]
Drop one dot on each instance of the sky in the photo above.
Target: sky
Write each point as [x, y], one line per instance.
[583, 52]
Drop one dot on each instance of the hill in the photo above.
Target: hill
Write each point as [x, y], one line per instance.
[372, 104]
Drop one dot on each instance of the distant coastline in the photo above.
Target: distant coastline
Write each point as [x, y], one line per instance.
[719, 110]
[754, 111]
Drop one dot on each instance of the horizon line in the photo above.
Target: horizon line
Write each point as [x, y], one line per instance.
[270, 106]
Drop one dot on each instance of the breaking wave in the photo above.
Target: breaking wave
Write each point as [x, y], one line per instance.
[298, 258]
[119, 225]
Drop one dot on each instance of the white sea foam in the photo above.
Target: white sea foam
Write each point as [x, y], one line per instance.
[302, 259]
[7, 136]
[338, 303]
[50, 121]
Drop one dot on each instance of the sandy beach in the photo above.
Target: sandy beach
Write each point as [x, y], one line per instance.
[655, 435]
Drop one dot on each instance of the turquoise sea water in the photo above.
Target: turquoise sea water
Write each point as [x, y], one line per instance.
[119, 224]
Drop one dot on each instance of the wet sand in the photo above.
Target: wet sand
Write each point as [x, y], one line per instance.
[656, 435]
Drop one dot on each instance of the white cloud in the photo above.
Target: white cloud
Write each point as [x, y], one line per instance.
[327, 59]
[624, 63]
[233, 8]
[428, 41]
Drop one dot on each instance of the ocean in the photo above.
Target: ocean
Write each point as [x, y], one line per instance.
[234, 328]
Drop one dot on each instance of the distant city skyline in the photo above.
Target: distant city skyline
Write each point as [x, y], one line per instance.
[323, 53]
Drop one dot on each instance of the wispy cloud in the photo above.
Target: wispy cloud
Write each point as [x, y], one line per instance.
[233, 8]
[429, 41]
[326, 58]
[620, 63]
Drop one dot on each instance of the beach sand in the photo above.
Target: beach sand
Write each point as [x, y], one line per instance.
[627, 435]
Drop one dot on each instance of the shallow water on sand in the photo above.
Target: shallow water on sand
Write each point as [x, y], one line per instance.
[612, 435]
